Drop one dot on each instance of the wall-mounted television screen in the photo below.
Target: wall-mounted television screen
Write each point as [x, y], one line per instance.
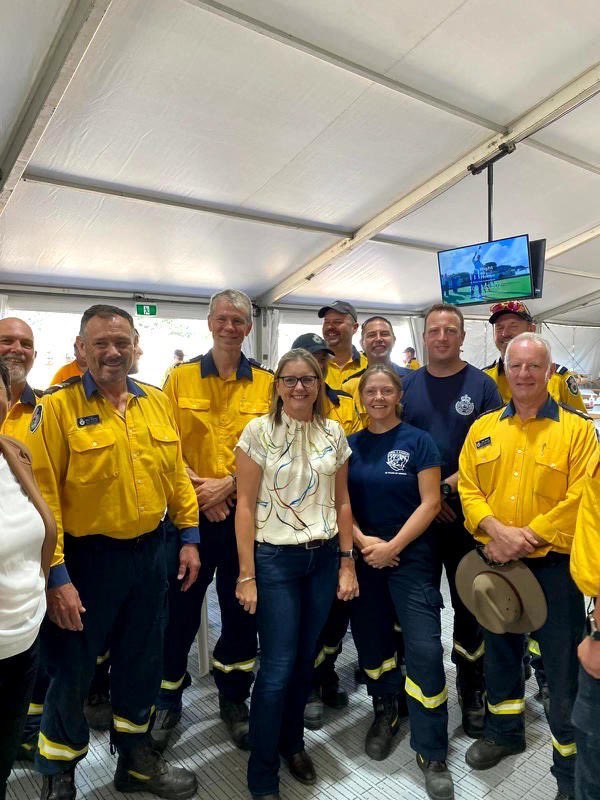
[486, 272]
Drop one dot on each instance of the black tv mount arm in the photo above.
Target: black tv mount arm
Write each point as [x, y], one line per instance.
[505, 149]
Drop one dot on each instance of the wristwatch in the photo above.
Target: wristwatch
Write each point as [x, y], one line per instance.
[346, 554]
[591, 628]
[446, 490]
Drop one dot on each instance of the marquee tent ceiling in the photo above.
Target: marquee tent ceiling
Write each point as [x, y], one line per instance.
[191, 144]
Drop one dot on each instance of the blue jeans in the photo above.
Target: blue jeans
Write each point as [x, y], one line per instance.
[586, 719]
[295, 588]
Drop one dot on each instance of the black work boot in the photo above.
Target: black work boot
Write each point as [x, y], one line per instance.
[27, 747]
[165, 723]
[313, 712]
[472, 703]
[333, 696]
[235, 716]
[438, 781]
[486, 753]
[98, 711]
[59, 787]
[145, 770]
[378, 742]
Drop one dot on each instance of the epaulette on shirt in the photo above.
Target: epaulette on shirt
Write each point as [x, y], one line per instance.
[63, 385]
[354, 375]
[193, 360]
[491, 411]
[561, 370]
[145, 383]
[571, 410]
[38, 392]
[258, 365]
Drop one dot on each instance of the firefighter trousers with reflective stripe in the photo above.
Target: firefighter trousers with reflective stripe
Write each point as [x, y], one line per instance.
[123, 588]
[235, 652]
[586, 719]
[406, 593]
[453, 542]
[329, 645]
[558, 639]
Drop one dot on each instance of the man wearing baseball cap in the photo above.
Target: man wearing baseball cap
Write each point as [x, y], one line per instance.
[521, 475]
[510, 318]
[339, 406]
[340, 323]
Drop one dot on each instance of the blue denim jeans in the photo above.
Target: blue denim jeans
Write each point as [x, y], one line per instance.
[295, 588]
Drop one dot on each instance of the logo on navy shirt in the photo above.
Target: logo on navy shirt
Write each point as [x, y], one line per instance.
[397, 460]
[465, 406]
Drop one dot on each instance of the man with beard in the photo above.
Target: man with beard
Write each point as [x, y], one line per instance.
[340, 323]
[17, 347]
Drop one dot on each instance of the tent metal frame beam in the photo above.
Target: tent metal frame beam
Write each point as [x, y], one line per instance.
[575, 241]
[573, 305]
[320, 53]
[77, 29]
[566, 99]
[310, 226]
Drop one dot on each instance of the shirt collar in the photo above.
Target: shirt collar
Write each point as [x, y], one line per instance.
[27, 396]
[90, 386]
[500, 366]
[208, 367]
[355, 354]
[548, 410]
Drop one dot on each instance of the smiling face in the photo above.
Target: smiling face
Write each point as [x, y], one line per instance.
[443, 337]
[378, 340]
[338, 330]
[380, 397]
[108, 347]
[298, 399]
[507, 327]
[528, 370]
[229, 326]
[16, 346]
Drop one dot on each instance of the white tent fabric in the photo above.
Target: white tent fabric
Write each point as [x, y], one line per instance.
[199, 145]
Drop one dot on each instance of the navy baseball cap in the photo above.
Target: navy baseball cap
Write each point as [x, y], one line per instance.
[311, 342]
[342, 307]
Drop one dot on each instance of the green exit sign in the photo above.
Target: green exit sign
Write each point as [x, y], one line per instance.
[146, 309]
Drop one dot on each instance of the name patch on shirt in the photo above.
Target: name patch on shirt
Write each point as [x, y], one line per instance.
[82, 422]
[483, 442]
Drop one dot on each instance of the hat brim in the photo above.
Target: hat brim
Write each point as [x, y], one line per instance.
[498, 314]
[524, 582]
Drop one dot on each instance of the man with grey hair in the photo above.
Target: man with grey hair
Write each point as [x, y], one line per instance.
[214, 396]
[521, 475]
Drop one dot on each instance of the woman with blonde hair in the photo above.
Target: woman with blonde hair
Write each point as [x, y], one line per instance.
[294, 536]
[394, 487]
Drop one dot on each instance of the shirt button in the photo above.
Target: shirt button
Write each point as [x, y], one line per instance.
[519, 452]
[94, 444]
[516, 474]
[513, 498]
[141, 508]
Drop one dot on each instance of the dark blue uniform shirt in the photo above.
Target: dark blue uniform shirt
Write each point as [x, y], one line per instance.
[382, 476]
[447, 407]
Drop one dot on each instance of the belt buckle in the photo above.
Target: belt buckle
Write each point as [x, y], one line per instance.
[312, 545]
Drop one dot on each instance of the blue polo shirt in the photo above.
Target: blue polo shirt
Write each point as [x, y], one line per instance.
[383, 476]
[447, 407]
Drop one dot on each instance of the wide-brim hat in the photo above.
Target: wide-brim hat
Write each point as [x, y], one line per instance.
[504, 598]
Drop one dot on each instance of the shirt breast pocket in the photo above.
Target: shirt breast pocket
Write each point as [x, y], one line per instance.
[93, 456]
[487, 462]
[164, 440]
[551, 478]
[254, 408]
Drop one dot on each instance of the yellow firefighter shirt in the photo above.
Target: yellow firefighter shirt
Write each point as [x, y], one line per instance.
[527, 473]
[211, 412]
[18, 418]
[340, 407]
[106, 473]
[414, 364]
[585, 556]
[562, 385]
[336, 375]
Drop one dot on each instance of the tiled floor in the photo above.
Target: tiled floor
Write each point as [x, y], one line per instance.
[345, 772]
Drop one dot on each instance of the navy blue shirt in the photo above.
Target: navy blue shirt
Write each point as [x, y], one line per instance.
[447, 407]
[382, 476]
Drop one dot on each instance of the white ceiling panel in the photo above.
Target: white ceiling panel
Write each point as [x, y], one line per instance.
[377, 150]
[27, 29]
[373, 33]
[175, 99]
[588, 315]
[578, 133]
[500, 59]
[62, 237]
[585, 258]
[533, 193]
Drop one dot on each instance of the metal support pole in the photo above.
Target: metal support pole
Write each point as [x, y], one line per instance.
[490, 185]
